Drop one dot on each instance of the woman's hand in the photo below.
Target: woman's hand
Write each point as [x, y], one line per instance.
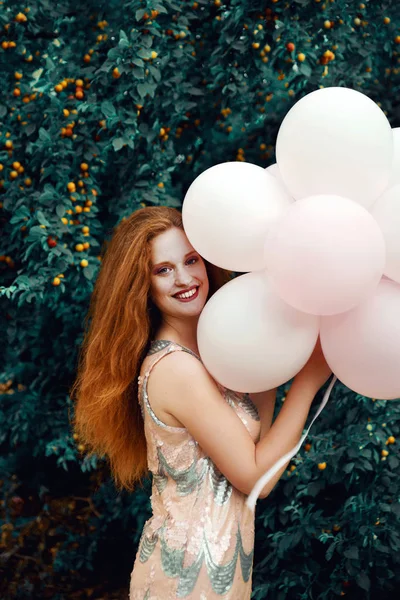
[316, 371]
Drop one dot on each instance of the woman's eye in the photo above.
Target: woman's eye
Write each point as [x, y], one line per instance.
[163, 268]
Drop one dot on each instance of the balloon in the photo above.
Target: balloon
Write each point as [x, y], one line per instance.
[325, 255]
[227, 211]
[362, 346]
[335, 141]
[249, 339]
[386, 211]
[395, 173]
[274, 170]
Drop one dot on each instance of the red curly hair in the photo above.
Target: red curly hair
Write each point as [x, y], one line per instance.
[108, 418]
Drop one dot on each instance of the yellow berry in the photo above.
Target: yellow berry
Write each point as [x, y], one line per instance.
[386, 20]
[71, 186]
[384, 452]
[327, 24]
[13, 174]
[160, 185]
[154, 54]
[79, 248]
[85, 229]
[58, 87]
[28, 181]
[84, 166]
[56, 281]
[64, 220]
[322, 466]
[84, 263]
[391, 439]
[301, 57]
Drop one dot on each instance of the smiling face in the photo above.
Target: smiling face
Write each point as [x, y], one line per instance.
[177, 267]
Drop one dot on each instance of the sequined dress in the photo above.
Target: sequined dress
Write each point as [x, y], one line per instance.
[199, 542]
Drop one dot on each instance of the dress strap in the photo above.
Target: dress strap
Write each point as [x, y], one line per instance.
[157, 346]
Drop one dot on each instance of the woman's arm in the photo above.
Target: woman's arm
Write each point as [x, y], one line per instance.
[288, 426]
[265, 404]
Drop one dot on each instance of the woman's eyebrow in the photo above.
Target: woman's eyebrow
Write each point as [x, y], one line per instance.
[165, 262]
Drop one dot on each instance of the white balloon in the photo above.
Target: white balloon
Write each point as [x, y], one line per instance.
[386, 211]
[335, 141]
[227, 212]
[274, 170]
[395, 174]
[249, 339]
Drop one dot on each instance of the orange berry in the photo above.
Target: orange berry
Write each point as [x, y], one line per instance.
[87, 58]
[397, 39]
[79, 83]
[21, 18]
[17, 92]
[71, 187]
[301, 57]
[322, 466]
[84, 166]
[56, 281]
[13, 174]
[79, 95]
[58, 88]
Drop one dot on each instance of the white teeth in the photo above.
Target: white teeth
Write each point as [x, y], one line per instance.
[187, 294]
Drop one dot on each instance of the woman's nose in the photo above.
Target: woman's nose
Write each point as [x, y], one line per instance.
[183, 277]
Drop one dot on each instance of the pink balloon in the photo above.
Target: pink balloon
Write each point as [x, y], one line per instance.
[362, 346]
[325, 255]
[249, 339]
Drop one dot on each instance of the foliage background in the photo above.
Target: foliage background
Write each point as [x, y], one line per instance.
[107, 106]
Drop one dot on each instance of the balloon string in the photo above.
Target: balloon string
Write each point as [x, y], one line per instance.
[264, 479]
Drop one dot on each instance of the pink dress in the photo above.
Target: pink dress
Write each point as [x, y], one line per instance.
[199, 542]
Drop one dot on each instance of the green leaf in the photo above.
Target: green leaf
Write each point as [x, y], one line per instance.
[107, 108]
[348, 467]
[3, 110]
[139, 14]
[138, 62]
[44, 135]
[363, 581]
[42, 219]
[118, 143]
[60, 210]
[146, 88]
[351, 552]
[89, 272]
[305, 70]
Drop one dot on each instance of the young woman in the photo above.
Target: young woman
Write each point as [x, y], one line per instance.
[146, 401]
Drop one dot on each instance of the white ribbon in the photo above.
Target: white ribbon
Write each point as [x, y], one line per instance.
[264, 479]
